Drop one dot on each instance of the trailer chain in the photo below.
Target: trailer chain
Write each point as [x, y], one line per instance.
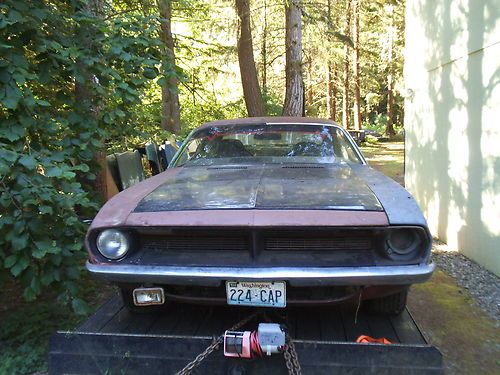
[291, 358]
[214, 346]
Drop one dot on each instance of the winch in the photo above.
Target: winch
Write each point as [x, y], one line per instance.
[269, 338]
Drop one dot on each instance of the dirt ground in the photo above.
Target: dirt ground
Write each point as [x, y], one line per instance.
[447, 314]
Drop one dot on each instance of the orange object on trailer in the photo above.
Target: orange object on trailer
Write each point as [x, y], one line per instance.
[363, 339]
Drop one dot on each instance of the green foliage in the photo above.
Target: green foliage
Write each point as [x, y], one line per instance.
[25, 330]
[68, 81]
[24, 336]
[272, 104]
[196, 112]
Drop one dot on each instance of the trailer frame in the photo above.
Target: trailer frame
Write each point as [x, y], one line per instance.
[116, 341]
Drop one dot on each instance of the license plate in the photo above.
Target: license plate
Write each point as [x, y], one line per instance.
[256, 293]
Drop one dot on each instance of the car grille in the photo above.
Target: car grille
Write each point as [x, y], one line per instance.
[317, 244]
[257, 248]
[167, 243]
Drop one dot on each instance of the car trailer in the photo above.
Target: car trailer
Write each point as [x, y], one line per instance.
[116, 341]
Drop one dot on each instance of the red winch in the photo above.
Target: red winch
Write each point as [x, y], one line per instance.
[269, 338]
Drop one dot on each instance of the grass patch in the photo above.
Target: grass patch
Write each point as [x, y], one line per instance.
[387, 157]
[452, 321]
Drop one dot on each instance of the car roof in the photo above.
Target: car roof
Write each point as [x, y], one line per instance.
[269, 120]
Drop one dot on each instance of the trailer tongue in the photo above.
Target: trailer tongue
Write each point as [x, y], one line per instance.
[113, 340]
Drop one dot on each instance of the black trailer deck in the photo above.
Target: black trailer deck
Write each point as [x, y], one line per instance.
[115, 341]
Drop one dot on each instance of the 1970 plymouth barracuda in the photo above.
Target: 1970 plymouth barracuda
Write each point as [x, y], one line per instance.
[264, 212]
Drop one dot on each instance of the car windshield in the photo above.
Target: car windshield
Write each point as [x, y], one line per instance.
[267, 143]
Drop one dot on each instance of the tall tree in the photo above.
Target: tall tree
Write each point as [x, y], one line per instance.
[170, 109]
[331, 91]
[248, 71]
[263, 50]
[294, 93]
[389, 130]
[355, 65]
[345, 92]
[331, 74]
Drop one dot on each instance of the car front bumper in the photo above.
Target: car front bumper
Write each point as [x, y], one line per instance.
[295, 276]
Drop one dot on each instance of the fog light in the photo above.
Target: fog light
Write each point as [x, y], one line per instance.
[148, 296]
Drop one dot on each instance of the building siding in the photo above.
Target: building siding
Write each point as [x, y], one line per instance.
[452, 121]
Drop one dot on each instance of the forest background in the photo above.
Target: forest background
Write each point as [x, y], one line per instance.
[79, 79]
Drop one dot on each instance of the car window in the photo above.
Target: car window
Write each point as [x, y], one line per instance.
[273, 143]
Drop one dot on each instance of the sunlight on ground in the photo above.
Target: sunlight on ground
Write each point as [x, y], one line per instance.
[387, 157]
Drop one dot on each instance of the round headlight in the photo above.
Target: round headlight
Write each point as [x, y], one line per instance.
[403, 241]
[113, 244]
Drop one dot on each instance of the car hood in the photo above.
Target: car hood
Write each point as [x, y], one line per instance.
[272, 187]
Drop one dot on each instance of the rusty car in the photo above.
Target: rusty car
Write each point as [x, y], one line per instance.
[265, 211]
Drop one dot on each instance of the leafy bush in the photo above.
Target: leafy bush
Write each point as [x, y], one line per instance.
[197, 112]
[68, 81]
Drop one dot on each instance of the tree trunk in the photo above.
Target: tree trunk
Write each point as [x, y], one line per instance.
[331, 91]
[294, 95]
[170, 109]
[345, 92]
[331, 73]
[264, 49]
[355, 66]
[389, 130]
[249, 81]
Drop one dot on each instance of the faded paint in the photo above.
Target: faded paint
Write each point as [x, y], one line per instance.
[452, 107]
[117, 209]
[258, 218]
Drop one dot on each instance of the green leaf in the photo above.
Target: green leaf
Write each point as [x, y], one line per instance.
[10, 261]
[39, 253]
[163, 82]
[13, 133]
[68, 175]
[19, 267]
[53, 172]
[35, 285]
[14, 16]
[8, 155]
[43, 103]
[47, 278]
[150, 73]
[28, 161]
[82, 167]
[45, 210]
[80, 306]
[12, 96]
[19, 242]
[29, 294]
[56, 260]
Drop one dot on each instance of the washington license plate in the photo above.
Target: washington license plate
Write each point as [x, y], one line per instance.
[256, 293]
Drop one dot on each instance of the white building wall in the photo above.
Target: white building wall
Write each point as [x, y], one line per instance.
[452, 121]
